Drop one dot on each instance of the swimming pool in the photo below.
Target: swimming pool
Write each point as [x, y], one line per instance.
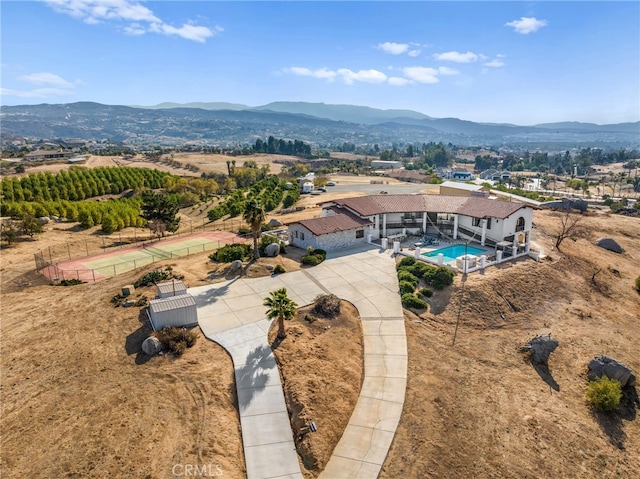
[452, 252]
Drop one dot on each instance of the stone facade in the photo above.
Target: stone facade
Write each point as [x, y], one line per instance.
[303, 238]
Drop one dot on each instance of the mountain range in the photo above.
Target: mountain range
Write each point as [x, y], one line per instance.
[224, 124]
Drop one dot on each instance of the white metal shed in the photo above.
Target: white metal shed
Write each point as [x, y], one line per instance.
[174, 311]
[171, 288]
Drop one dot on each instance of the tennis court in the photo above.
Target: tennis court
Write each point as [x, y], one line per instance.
[107, 265]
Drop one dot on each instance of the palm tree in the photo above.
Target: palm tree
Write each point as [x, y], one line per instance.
[254, 216]
[280, 307]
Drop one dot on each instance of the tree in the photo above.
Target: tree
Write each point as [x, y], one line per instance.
[569, 226]
[162, 208]
[254, 216]
[8, 232]
[281, 307]
[30, 225]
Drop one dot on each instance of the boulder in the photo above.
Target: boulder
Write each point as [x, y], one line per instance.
[43, 220]
[610, 244]
[272, 250]
[540, 348]
[270, 267]
[151, 346]
[235, 266]
[274, 223]
[606, 366]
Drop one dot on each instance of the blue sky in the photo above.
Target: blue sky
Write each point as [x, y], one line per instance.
[516, 62]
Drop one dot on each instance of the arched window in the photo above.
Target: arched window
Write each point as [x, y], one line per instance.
[520, 224]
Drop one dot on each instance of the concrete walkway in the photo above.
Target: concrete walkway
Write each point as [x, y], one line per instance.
[231, 313]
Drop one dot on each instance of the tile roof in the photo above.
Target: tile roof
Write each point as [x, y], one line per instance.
[469, 206]
[333, 223]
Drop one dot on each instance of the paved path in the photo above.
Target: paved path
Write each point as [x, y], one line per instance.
[231, 313]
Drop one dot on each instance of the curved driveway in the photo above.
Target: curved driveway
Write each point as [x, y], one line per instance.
[231, 313]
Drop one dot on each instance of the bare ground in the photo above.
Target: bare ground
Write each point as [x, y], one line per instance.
[77, 400]
[321, 366]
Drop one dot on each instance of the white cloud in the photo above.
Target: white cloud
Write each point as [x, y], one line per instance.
[527, 25]
[366, 76]
[399, 81]
[413, 53]
[457, 57]
[394, 48]
[447, 71]
[142, 19]
[46, 78]
[322, 73]
[421, 74]
[495, 63]
[37, 93]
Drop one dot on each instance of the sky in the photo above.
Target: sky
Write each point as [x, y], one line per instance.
[518, 62]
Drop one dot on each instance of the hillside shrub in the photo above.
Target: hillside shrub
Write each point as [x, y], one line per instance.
[604, 393]
[408, 277]
[176, 340]
[231, 252]
[409, 300]
[327, 305]
[155, 276]
[407, 287]
[426, 292]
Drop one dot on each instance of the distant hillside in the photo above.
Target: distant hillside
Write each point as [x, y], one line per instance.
[225, 124]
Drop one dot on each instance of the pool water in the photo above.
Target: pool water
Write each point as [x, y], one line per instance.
[450, 253]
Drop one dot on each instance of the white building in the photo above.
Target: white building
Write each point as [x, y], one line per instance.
[349, 221]
[173, 311]
[385, 164]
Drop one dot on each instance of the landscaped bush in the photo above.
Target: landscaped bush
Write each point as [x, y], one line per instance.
[231, 252]
[407, 287]
[605, 393]
[409, 300]
[406, 276]
[327, 305]
[426, 292]
[439, 277]
[419, 269]
[279, 269]
[176, 340]
[314, 256]
[266, 240]
[406, 261]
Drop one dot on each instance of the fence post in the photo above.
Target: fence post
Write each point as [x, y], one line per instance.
[93, 272]
[69, 250]
[50, 260]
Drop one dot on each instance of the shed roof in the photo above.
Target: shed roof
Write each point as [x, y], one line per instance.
[171, 286]
[462, 186]
[333, 223]
[171, 303]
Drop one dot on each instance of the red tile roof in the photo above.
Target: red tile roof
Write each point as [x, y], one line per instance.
[469, 206]
[333, 223]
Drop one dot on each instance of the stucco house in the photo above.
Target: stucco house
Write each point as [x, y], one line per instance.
[349, 221]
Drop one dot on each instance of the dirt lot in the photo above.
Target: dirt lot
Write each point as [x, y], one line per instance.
[77, 400]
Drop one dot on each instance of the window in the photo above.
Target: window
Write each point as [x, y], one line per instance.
[296, 233]
[476, 221]
[488, 223]
[520, 224]
[302, 236]
[359, 233]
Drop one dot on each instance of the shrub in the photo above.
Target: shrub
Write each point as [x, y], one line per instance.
[426, 292]
[604, 393]
[439, 277]
[266, 240]
[314, 256]
[279, 269]
[231, 252]
[176, 340]
[406, 261]
[638, 284]
[419, 269]
[154, 277]
[409, 300]
[327, 305]
[70, 282]
[406, 287]
[408, 277]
